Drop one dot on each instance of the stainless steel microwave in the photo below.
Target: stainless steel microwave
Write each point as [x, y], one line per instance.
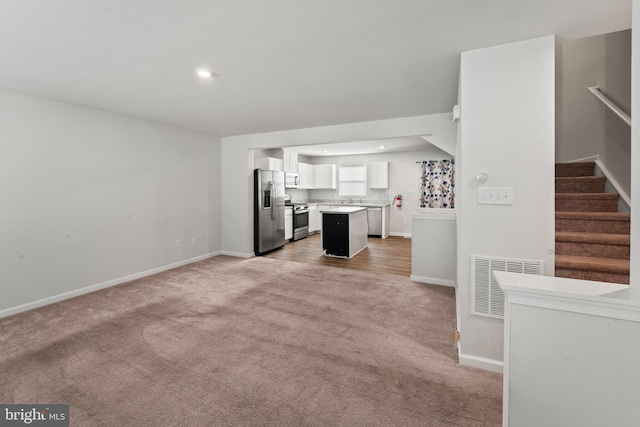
[291, 180]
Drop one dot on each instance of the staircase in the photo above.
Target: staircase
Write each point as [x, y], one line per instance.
[592, 237]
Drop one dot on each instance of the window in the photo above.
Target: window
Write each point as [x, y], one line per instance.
[352, 180]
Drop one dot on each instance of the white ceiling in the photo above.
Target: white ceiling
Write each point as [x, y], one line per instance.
[391, 145]
[280, 64]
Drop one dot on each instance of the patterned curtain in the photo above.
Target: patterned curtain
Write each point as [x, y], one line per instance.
[437, 184]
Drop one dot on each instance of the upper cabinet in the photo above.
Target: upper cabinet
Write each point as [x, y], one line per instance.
[271, 163]
[289, 160]
[305, 171]
[317, 176]
[378, 175]
[324, 176]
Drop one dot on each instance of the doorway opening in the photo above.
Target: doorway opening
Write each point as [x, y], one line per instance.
[391, 255]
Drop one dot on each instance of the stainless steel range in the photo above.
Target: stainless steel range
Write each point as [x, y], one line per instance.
[300, 219]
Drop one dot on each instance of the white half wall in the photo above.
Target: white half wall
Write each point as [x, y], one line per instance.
[237, 168]
[433, 247]
[507, 130]
[569, 357]
[89, 199]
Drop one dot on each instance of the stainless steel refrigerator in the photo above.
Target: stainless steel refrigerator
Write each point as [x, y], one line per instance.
[268, 230]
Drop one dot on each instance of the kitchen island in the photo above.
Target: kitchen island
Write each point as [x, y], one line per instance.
[344, 230]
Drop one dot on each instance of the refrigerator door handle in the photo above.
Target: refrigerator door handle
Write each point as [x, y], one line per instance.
[272, 191]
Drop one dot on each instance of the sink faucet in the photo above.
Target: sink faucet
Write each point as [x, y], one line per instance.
[350, 200]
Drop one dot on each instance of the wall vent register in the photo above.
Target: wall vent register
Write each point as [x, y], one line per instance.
[487, 299]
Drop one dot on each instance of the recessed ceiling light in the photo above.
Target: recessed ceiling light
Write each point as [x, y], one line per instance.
[325, 151]
[204, 73]
[382, 147]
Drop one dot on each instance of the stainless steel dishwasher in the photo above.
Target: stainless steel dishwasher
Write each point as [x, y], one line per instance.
[374, 221]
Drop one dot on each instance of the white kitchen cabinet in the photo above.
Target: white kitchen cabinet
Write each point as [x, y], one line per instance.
[289, 160]
[378, 175]
[324, 176]
[271, 164]
[305, 171]
[314, 218]
[288, 223]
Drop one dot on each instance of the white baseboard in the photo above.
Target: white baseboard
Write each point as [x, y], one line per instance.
[92, 288]
[481, 363]
[237, 254]
[584, 159]
[432, 281]
[623, 195]
[405, 235]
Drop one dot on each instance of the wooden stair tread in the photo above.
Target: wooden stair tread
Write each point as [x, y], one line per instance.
[601, 238]
[574, 262]
[602, 216]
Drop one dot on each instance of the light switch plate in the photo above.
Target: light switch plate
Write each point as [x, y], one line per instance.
[495, 196]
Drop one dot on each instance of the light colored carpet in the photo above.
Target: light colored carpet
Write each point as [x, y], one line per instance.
[231, 342]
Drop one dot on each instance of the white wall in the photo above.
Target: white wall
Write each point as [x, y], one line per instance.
[404, 174]
[635, 144]
[580, 119]
[89, 198]
[585, 127]
[507, 130]
[237, 233]
[214, 186]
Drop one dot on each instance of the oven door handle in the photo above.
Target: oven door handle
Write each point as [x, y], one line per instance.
[301, 211]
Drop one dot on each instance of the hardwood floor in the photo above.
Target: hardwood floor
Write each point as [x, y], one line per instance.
[389, 256]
